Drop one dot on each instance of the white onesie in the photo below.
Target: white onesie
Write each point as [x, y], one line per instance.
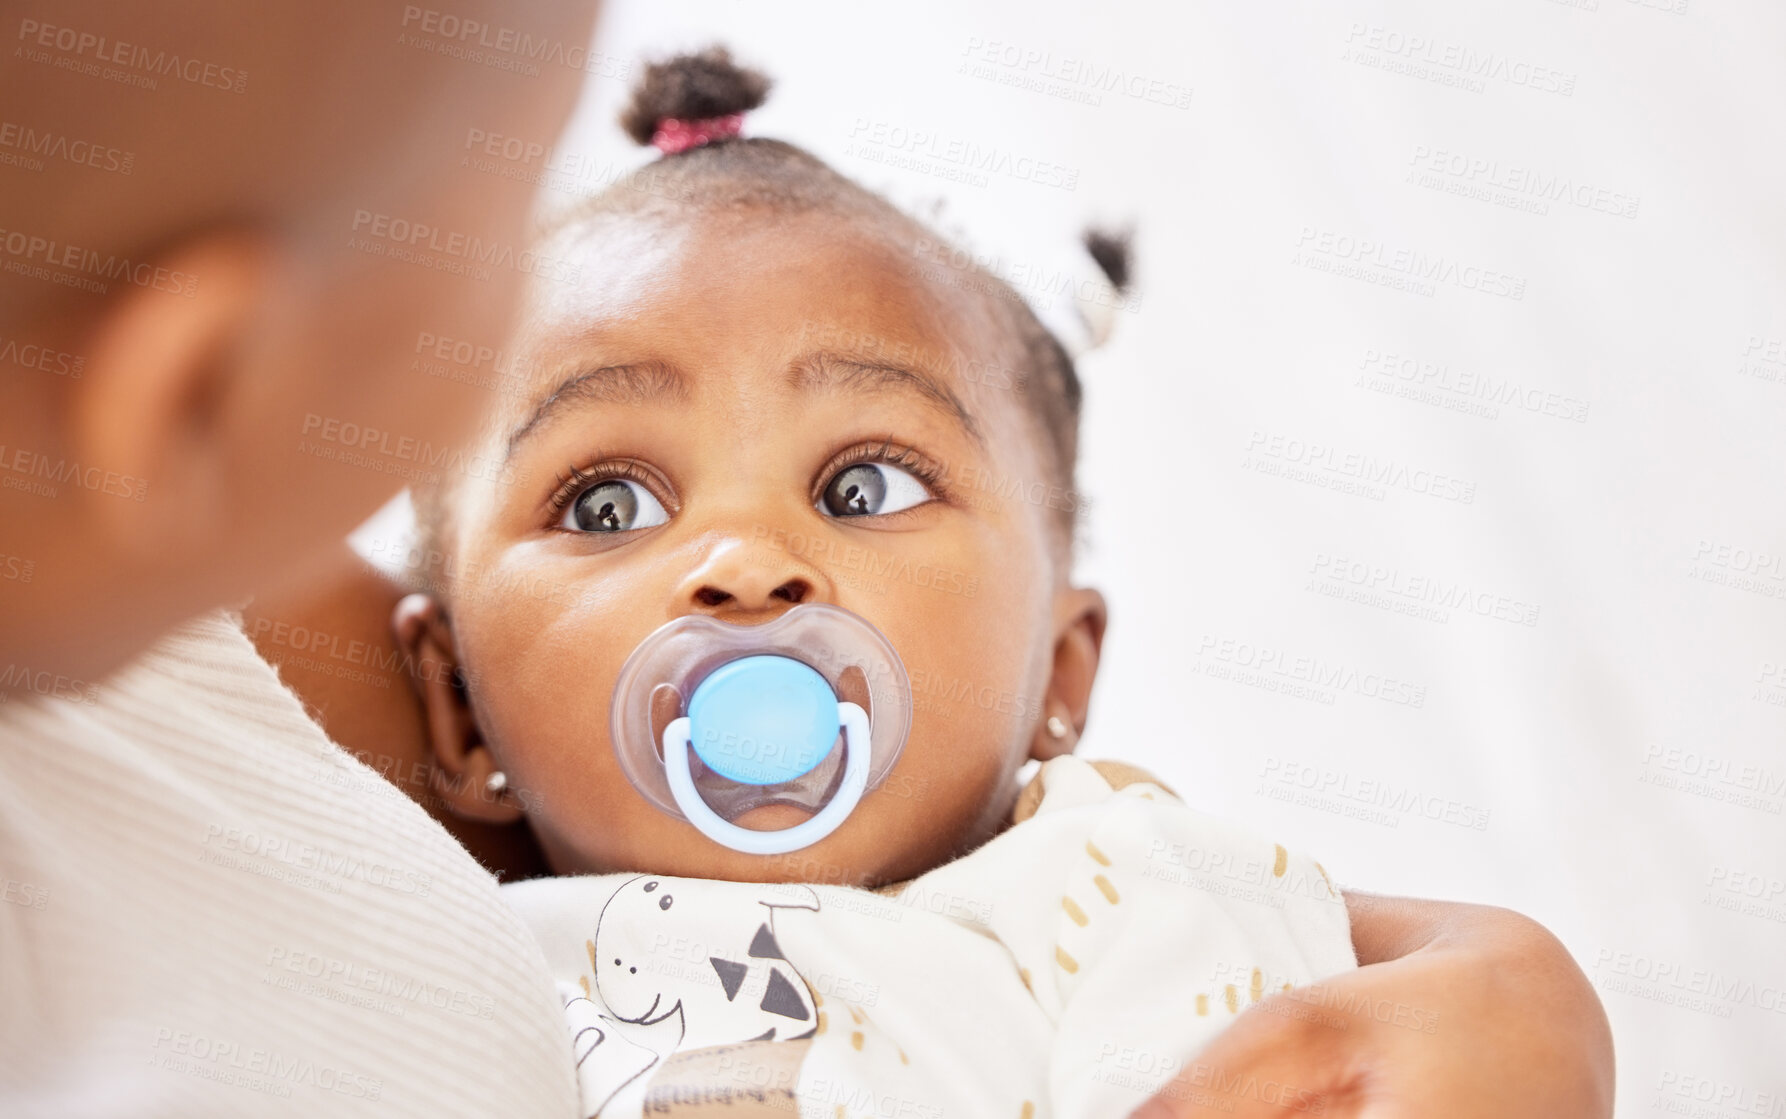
[1068, 968]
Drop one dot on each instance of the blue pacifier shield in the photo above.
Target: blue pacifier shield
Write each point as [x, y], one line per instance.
[763, 720]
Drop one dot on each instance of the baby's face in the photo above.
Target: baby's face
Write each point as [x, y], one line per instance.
[731, 416]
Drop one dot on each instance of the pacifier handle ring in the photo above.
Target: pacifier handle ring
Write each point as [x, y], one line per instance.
[856, 751]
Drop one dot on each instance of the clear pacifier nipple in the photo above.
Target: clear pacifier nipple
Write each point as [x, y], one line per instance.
[712, 720]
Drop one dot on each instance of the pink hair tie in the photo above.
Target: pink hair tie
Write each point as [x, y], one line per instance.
[674, 135]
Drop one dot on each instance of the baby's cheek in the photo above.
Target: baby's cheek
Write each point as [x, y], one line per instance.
[547, 724]
[972, 704]
[983, 664]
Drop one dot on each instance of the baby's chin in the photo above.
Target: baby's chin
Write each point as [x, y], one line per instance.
[843, 859]
[889, 838]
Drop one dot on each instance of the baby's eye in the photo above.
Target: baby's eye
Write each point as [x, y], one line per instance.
[871, 488]
[616, 505]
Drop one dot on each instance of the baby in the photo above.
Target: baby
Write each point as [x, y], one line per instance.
[756, 399]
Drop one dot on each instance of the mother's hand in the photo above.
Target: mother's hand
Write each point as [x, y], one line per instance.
[1459, 1010]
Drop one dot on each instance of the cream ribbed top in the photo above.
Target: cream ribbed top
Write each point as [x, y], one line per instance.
[208, 908]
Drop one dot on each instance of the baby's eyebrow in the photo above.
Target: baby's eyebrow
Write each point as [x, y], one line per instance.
[826, 370]
[644, 382]
[638, 383]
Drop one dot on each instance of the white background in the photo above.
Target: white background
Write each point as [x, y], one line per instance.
[1626, 753]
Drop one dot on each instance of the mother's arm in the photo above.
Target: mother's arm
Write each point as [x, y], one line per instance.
[1465, 1011]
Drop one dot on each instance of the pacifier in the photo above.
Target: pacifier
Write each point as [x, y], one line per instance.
[712, 720]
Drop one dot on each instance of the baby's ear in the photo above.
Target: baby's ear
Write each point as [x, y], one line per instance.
[1080, 615]
[463, 763]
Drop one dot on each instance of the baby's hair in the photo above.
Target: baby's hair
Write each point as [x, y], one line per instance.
[701, 86]
[1111, 252]
[729, 172]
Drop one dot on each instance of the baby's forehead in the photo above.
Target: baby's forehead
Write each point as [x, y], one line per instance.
[628, 266]
[713, 290]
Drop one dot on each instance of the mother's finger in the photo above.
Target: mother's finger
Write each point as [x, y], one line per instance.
[1270, 1062]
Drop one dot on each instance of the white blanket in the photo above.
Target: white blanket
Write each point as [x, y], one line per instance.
[1067, 968]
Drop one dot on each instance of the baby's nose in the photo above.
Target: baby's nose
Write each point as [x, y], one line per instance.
[794, 591]
[751, 578]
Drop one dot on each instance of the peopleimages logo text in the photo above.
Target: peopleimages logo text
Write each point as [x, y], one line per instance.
[406, 449]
